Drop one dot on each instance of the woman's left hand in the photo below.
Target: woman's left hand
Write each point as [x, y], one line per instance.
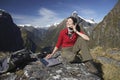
[74, 28]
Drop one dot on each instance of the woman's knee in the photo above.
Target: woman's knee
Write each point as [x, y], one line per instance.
[68, 56]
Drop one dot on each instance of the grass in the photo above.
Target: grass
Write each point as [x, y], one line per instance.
[110, 71]
[4, 54]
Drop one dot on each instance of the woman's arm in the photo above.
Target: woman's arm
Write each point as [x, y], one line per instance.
[53, 52]
[80, 34]
[58, 44]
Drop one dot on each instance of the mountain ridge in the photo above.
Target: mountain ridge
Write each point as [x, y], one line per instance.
[107, 32]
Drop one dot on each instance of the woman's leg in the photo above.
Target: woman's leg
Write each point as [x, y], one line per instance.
[81, 48]
[67, 54]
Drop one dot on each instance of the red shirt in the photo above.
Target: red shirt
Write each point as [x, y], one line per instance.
[64, 40]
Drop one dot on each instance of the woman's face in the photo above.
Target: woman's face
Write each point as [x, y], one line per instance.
[69, 23]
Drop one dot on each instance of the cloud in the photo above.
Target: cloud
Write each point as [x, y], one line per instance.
[46, 12]
[87, 11]
[15, 16]
[48, 17]
[45, 17]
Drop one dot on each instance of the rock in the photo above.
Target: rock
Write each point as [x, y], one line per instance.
[59, 72]
[109, 61]
[8, 76]
[37, 71]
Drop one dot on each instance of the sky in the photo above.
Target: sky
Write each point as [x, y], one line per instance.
[41, 13]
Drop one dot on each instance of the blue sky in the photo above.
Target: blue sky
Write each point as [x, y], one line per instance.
[45, 12]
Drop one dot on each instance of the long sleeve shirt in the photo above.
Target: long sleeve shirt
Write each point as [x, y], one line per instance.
[64, 40]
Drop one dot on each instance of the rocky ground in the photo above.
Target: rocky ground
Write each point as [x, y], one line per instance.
[37, 71]
[109, 65]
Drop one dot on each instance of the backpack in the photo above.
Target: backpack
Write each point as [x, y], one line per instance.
[20, 57]
[15, 60]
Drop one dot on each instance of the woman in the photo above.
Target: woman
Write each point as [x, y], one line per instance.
[67, 39]
[73, 42]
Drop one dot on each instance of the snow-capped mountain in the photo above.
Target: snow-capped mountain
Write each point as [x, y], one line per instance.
[76, 15]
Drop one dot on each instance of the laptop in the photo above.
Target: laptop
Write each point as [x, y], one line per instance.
[50, 62]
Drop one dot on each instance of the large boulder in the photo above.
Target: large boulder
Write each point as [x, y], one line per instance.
[10, 35]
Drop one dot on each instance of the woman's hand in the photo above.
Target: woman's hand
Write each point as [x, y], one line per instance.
[74, 27]
[80, 34]
[48, 56]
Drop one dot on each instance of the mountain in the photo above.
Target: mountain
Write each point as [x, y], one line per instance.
[52, 34]
[10, 35]
[107, 32]
[33, 37]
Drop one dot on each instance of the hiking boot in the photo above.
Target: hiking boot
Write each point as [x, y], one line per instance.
[91, 67]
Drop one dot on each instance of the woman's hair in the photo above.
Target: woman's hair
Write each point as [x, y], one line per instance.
[75, 22]
[74, 19]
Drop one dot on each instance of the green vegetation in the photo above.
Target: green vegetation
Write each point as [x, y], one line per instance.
[24, 35]
[111, 71]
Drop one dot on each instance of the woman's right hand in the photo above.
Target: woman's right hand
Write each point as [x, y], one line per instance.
[48, 56]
